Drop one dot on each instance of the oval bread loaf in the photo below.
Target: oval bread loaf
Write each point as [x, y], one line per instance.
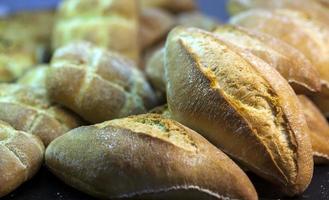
[319, 130]
[97, 84]
[21, 155]
[290, 63]
[240, 104]
[28, 109]
[297, 29]
[146, 157]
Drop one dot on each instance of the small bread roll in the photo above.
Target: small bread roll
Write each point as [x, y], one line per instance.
[171, 5]
[109, 24]
[154, 25]
[319, 130]
[28, 109]
[297, 29]
[290, 63]
[97, 84]
[155, 72]
[240, 104]
[21, 155]
[35, 77]
[314, 8]
[146, 157]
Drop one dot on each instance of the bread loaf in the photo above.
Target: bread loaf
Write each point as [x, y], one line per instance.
[21, 157]
[171, 5]
[145, 157]
[35, 77]
[97, 84]
[289, 62]
[154, 26]
[110, 24]
[319, 130]
[240, 104]
[297, 29]
[314, 8]
[28, 109]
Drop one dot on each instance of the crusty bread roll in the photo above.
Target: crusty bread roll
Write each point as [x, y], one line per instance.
[241, 104]
[319, 130]
[146, 157]
[154, 25]
[171, 5]
[28, 109]
[297, 29]
[110, 24]
[155, 72]
[314, 8]
[21, 155]
[24, 41]
[35, 77]
[290, 63]
[197, 20]
[97, 84]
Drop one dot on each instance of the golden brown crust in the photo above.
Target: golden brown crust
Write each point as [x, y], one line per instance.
[146, 156]
[35, 77]
[304, 33]
[116, 23]
[237, 101]
[154, 26]
[171, 5]
[314, 8]
[21, 157]
[28, 109]
[289, 62]
[155, 72]
[319, 130]
[106, 85]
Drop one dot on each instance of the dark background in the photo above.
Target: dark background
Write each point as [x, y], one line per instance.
[44, 186]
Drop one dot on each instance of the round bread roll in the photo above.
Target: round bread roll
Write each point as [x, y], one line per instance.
[319, 130]
[28, 109]
[240, 104]
[35, 77]
[146, 157]
[288, 61]
[21, 155]
[97, 84]
[109, 24]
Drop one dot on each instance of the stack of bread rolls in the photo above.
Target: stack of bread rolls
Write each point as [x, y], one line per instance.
[150, 99]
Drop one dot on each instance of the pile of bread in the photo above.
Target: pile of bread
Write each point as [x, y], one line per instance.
[149, 99]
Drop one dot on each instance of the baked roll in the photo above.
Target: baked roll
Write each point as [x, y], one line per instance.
[314, 8]
[319, 130]
[24, 42]
[197, 20]
[109, 24]
[35, 77]
[154, 26]
[171, 5]
[21, 157]
[28, 109]
[290, 63]
[145, 157]
[304, 33]
[240, 104]
[155, 72]
[97, 84]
